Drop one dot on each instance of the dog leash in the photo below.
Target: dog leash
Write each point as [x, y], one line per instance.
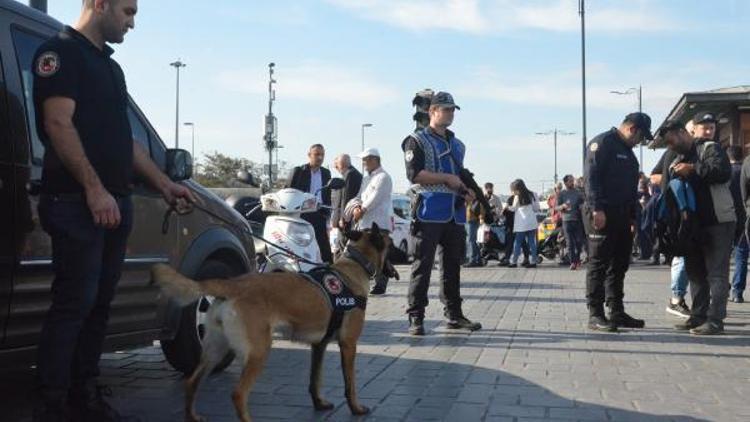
[184, 208]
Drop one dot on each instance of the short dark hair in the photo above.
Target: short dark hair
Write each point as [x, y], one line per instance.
[567, 177]
[735, 152]
[488, 185]
[314, 146]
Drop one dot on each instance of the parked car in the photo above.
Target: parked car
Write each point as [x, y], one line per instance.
[198, 245]
[401, 234]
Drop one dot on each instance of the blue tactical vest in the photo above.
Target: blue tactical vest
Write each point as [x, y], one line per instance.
[439, 203]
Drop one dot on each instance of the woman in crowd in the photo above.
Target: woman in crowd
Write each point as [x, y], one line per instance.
[525, 205]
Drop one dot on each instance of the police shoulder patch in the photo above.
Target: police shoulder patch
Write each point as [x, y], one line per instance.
[594, 146]
[47, 64]
[409, 155]
[332, 284]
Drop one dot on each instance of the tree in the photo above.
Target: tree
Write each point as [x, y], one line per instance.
[217, 170]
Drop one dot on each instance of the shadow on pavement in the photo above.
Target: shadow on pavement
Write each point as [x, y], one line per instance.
[394, 388]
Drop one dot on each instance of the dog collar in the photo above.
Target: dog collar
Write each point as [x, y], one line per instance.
[355, 255]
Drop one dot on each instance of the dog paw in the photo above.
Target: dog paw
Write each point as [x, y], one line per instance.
[359, 410]
[322, 405]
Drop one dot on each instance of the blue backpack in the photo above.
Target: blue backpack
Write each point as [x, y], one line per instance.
[676, 221]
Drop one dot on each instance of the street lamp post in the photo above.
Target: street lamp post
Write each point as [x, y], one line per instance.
[270, 135]
[555, 132]
[177, 65]
[639, 93]
[582, 13]
[364, 125]
[192, 137]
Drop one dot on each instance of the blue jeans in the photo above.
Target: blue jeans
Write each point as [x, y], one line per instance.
[87, 263]
[679, 277]
[530, 237]
[472, 227]
[739, 280]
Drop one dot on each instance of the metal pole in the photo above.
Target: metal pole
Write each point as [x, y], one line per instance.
[555, 156]
[582, 12]
[640, 110]
[177, 65]
[192, 147]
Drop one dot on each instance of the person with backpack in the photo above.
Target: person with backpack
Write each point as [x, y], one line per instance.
[704, 165]
[611, 172]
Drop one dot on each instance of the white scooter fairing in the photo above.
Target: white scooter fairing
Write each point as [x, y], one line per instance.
[286, 228]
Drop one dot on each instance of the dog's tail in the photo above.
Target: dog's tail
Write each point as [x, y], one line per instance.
[184, 290]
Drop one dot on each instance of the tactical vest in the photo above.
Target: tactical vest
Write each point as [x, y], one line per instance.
[439, 203]
[340, 297]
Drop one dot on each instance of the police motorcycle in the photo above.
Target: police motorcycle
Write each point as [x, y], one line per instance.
[288, 241]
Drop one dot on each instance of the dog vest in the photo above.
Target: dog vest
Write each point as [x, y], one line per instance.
[340, 297]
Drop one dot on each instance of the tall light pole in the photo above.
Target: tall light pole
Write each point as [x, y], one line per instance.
[555, 132]
[270, 137]
[192, 128]
[364, 125]
[177, 65]
[582, 12]
[639, 92]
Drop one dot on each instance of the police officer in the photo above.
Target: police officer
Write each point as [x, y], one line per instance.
[611, 180]
[434, 157]
[90, 158]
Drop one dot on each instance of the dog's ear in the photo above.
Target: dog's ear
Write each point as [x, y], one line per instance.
[376, 238]
[353, 235]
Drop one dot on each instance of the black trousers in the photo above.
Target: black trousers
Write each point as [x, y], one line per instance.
[87, 262]
[609, 260]
[451, 238]
[318, 221]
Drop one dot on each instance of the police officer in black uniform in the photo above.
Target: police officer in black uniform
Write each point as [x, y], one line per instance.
[433, 157]
[611, 175]
[81, 110]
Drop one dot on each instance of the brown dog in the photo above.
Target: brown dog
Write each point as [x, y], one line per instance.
[249, 307]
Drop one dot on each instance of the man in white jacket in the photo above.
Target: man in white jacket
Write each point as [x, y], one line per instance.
[373, 203]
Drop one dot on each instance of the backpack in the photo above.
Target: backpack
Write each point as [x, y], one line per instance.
[676, 221]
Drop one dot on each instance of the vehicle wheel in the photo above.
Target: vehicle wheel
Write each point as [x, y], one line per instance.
[539, 259]
[184, 351]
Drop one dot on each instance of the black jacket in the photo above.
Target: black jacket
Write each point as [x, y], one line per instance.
[300, 177]
[611, 173]
[352, 181]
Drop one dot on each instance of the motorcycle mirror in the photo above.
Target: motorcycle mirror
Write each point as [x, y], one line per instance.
[247, 178]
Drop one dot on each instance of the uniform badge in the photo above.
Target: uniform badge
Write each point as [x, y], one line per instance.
[332, 284]
[594, 147]
[409, 155]
[47, 64]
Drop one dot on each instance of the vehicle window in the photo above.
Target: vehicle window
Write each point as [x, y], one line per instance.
[402, 208]
[140, 134]
[26, 45]
[5, 149]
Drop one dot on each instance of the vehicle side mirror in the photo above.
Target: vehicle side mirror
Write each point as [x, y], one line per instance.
[336, 183]
[247, 178]
[179, 165]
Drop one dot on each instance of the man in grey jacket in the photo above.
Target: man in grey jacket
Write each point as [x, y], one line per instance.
[569, 202]
[705, 166]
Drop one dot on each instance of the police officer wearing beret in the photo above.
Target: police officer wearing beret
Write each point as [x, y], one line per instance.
[611, 180]
[434, 157]
[90, 158]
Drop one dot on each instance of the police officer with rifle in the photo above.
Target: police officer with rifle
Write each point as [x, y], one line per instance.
[434, 164]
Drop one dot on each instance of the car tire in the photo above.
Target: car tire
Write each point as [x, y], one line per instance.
[183, 352]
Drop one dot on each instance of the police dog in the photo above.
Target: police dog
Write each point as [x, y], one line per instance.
[249, 307]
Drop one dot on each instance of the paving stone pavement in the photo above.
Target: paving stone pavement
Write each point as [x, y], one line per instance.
[533, 360]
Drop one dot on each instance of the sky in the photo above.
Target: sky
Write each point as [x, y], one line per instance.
[513, 66]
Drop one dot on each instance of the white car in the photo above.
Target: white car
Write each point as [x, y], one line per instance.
[401, 235]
